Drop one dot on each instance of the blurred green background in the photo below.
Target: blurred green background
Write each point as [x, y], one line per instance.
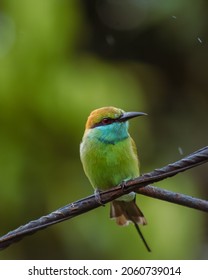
[60, 59]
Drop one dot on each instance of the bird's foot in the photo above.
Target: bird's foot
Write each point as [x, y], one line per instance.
[123, 185]
[98, 197]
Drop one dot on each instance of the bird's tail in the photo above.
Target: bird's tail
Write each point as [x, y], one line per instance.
[124, 212]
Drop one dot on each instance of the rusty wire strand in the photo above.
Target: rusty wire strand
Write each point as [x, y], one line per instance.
[140, 185]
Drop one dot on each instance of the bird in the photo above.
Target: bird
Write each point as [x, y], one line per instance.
[109, 157]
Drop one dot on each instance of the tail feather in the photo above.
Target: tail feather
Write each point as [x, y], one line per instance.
[124, 212]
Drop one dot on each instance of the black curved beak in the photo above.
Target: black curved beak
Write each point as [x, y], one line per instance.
[130, 115]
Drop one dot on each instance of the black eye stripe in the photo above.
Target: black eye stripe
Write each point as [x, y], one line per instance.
[107, 121]
[104, 121]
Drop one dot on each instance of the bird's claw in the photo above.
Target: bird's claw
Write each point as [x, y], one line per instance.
[123, 185]
[98, 197]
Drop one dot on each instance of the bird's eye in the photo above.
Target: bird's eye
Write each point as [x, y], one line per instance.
[106, 121]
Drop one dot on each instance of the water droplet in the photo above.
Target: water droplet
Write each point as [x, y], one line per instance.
[180, 150]
[199, 40]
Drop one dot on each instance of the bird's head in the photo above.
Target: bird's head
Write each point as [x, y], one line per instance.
[109, 124]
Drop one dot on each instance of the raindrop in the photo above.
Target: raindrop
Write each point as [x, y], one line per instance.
[199, 40]
[180, 151]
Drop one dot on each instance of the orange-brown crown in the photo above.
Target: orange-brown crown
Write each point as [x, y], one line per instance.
[97, 115]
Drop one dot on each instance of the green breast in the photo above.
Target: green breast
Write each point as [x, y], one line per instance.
[107, 165]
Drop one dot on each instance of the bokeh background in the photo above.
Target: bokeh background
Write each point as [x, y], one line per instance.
[60, 59]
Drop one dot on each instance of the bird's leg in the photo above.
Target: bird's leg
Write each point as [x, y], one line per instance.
[98, 197]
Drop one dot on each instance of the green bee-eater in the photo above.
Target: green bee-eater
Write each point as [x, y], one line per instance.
[109, 157]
